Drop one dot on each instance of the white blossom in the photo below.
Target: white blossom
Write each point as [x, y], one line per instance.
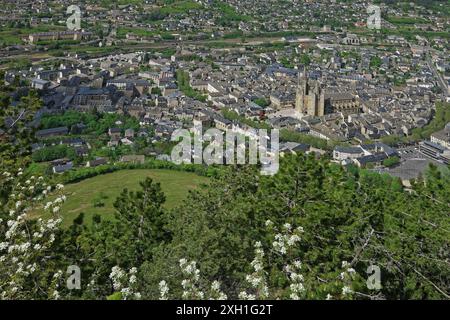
[346, 290]
[163, 289]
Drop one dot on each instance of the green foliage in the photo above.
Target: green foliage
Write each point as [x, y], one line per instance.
[289, 135]
[80, 174]
[349, 215]
[359, 217]
[17, 137]
[392, 161]
[131, 237]
[115, 296]
[68, 119]
[177, 7]
[305, 59]
[53, 153]
[99, 200]
[262, 102]
[96, 123]
[156, 90]
[440, 119]
[287, 62]
[229, 16]
[375, 62]
[97, 195]
[234, 116]
[406, 20]
[185, 87]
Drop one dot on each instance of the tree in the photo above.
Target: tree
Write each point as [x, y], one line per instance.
[138, 228]
[305, 59]
[351, 220]
[262, 102]
[375, 62]
[142, 218]
[392, 161]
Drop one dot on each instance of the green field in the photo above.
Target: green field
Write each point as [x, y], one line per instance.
[405, 20]
[81, 195]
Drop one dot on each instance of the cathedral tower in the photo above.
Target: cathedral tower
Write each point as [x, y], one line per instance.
[309, 101]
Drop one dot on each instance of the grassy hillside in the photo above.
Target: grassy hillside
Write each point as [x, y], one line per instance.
[97, 195]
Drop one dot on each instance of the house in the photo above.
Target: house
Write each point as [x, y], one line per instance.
[115, 133]
[222, 123]
[282, 100]
[203, 122]
[169, 88]
[442, 137]
[114, 142]
[129, 133]
[163, 130]
[10, 78]
[285, 122]
[136, 108]
[73, 142]
[97, 162]
[61, 168]
[53, 132]
[161, 102]
[373, 159]
[294, 147]
[126, 141]
[379, 147]
[62, 35]
[141, 86]
[81, 151]
[351, 39]
[343, 153]
[40, 84]
[136, 159]
[91, 97]
[142, 133]
[58, 162]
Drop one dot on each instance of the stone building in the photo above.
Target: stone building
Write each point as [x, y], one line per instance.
[311, 99]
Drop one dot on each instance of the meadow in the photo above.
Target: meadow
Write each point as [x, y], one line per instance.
[97, 195]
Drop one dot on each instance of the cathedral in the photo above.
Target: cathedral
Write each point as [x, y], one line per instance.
[311, 100]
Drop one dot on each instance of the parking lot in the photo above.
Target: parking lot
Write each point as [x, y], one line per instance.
[411, 153]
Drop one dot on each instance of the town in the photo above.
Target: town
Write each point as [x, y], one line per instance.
[364, 99]
[346, 103]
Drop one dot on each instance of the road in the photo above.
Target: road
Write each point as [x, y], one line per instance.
[36, 56]
[439, 78]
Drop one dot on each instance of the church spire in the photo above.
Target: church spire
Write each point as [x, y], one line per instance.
[304, 82]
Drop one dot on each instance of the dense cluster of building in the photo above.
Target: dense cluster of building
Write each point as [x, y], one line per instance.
[349, 88]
